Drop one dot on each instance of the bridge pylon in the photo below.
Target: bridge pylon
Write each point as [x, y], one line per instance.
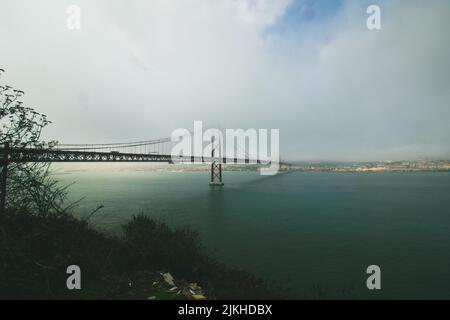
[216, 166]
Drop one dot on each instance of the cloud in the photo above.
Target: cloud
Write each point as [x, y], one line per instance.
[141, 69]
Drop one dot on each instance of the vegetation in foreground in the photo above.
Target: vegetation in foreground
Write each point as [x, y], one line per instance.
[35, 252]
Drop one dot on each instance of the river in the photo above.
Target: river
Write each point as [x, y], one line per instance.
[303, 230]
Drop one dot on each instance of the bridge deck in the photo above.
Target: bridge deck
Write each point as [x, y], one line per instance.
[55, 155]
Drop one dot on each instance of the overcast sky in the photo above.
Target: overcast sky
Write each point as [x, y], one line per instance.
[140, 69]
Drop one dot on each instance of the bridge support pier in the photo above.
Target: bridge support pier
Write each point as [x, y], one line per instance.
[4, 178]
[216, 175]
[216, 167]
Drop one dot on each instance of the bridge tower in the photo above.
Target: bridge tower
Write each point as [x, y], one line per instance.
[216, 166]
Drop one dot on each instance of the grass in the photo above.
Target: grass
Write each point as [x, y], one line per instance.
[35, 252]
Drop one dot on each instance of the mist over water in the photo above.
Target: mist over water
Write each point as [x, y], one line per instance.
[299, 229]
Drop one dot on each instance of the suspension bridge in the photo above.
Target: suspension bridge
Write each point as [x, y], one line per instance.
[158, 150]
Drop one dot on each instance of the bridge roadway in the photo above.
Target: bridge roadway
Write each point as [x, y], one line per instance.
[16, 155]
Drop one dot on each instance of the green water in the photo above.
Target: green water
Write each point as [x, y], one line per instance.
[299, 229]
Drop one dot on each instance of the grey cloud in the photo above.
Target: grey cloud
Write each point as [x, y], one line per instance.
[141, 69]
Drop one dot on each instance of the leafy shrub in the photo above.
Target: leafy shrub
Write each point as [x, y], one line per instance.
[35, 251]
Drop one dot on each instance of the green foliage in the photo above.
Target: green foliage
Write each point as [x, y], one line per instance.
[36, 250]
[152, 244]
[20, 125]
[30, 186]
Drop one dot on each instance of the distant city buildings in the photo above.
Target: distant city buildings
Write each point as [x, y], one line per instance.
[382, 166]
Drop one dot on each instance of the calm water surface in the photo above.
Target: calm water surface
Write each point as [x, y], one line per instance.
[302, 230]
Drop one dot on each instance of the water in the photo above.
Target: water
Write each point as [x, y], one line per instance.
[303, 230]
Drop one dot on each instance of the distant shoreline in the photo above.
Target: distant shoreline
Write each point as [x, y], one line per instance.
[366, 168]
